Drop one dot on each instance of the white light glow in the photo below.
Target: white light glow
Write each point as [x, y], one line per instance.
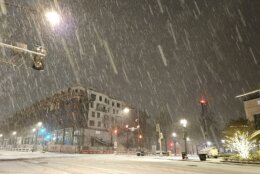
[241, 143]
[53, 17]
[14, 133]
[183, 122]
[39, 124]
[174, 134]
[126, 110]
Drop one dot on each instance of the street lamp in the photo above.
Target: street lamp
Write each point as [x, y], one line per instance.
[14, 135]
[209, 143]
[174, 135]
[126, 110]
[184, 124]
[39, 124]
[1, 135]
[53, 18]
[36, 131]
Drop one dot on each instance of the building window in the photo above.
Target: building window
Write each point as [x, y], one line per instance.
[257, 121]
[98, 115]
[118, 105]
[93, 97]
[92, 123]
[93, 114]
[113, 103]
[100, 98]
[99, 124]
[114, 111]
[92, 105]
[105, 100]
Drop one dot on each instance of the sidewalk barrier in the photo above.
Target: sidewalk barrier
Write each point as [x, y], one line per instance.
[96, 151]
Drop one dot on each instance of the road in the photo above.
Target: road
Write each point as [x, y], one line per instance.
[120, 164]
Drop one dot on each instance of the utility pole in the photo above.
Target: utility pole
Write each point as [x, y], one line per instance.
[160, 137]
[203, 119]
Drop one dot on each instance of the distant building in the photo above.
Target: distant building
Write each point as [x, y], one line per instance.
[73, 119]
[104, 110]
[252, 106]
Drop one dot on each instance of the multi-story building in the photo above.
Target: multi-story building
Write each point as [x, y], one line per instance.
[104, 111]
[77, 118]
[252, 106]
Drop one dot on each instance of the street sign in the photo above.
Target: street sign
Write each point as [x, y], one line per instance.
[98, 132]
[115, 144]
[157, 127]
[161, 135]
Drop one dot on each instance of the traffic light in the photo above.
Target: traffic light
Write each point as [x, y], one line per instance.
[203, 101]
[115, 131]
[38, 59]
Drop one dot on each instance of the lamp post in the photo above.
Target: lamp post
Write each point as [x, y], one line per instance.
[1, 136]
[204, 118]
[126, 126]
[126, 110]
[14, 135]
[223, 145]
[36, 131]
[174, 135]
[184, 124]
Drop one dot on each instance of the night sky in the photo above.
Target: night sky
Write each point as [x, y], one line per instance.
[152, 54]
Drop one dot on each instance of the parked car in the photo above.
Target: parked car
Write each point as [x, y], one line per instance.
[210, 152]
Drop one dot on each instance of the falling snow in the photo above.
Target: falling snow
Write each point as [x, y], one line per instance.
[153, 54]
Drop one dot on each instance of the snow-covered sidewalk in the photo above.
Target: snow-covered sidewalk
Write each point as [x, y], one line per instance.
[14, 155]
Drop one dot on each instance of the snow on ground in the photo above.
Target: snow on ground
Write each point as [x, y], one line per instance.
[14, 155]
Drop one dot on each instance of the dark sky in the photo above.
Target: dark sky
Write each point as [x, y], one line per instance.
[150, 53]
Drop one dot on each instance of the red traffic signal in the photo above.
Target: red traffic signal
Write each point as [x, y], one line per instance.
[115, 131]
[203, 101]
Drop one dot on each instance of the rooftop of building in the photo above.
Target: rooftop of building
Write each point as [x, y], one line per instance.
[250, 95]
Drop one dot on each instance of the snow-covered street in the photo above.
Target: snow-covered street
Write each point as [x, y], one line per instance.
[113, 164]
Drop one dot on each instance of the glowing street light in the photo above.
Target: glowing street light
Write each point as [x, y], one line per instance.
[174, 135]
[223, 141]
[1, 135]
[33, 130]
[188, 139]
[115, 131]
[183, 122]
[39, 124]
[53, 18]
[126, 110]
[209, 143]
[14, 133]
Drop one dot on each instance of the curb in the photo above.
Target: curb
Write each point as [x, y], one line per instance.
[240, 162]
[21, 159]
